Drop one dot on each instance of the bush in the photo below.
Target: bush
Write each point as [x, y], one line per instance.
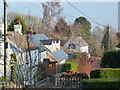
[69, 66]
[111, 60]
[2, 79]
[105, 73]
[66, 67]
[101, 84]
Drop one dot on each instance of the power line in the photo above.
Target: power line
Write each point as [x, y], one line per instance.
[70, 15]
[33, 4]
[84, 14]
[41, 7]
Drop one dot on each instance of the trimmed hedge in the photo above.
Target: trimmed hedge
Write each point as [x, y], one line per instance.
[101, 84]
[105, 73]
[69, 66]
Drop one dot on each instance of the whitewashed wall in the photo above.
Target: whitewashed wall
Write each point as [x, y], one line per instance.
[54, 46]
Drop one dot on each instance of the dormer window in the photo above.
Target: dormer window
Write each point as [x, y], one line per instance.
[71, 46]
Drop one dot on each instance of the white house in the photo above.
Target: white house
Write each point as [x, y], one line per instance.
[51, 44]
[55, 54]
[27, 54]
[47, 45]
[77, 44]
[1, 57]
[53, 48]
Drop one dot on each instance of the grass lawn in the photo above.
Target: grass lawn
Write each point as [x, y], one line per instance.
[73, 66]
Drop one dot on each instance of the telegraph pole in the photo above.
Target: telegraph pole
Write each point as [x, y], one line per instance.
[5, 38]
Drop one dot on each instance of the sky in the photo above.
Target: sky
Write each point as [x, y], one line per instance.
[101, 12]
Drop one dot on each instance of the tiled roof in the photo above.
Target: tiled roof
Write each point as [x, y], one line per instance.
[40, 37]
[59, 55]
[79, 40]
[49, 41]
[21, 41]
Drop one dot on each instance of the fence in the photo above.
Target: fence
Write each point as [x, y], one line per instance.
[70, 79]
[69, 82]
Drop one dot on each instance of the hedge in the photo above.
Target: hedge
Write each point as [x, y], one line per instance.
[101, 84]
[105, 73]
[69, 66]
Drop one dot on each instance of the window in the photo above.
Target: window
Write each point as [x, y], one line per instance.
[71, 46]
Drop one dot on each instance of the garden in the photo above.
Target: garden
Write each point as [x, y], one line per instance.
[106, 77]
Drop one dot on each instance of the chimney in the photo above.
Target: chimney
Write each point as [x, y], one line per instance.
[30, 31]
[18, 27]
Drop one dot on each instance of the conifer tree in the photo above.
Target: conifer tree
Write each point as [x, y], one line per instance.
[106, 42]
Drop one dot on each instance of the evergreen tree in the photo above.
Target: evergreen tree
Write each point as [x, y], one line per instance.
[15, 21]
[118, 36]
[13, 65]
[62, 28]
[106, 42]
[84, 27]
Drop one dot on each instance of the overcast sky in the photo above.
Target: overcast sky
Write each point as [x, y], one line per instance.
[101, 12]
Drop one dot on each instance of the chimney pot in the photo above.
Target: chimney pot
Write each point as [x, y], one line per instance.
[18, 21]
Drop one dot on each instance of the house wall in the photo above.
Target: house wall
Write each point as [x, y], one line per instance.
[18, 28]
[63, 61]
[77, 49]
[84, 49]
[42, 55]
[2, 28]
[54, 46]
[23, 69]
[117, 49]
[28, 67]
[53, 63]
[1, 58]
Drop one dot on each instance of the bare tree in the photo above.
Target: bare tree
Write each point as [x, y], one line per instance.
[85, 66]
[74, 30]
[51, 14]
[97, 35]
[31, 21]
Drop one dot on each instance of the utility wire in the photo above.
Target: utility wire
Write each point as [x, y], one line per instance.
[42, 7]
[84, 14]
[33, 4]
[70, 15]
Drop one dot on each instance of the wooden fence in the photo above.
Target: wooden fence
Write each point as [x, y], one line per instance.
[70, 82]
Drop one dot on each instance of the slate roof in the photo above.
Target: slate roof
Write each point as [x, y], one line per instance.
[37, 37]
[118, 46]
[59, 55]
[79, 40]
[49, 41]
[21, 41]
[40, 37]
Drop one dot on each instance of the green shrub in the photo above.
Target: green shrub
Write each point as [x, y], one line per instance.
[111, 60]
[2, 79]
[66, 67]
[101, 84]
[69, 66]
[105, 73]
